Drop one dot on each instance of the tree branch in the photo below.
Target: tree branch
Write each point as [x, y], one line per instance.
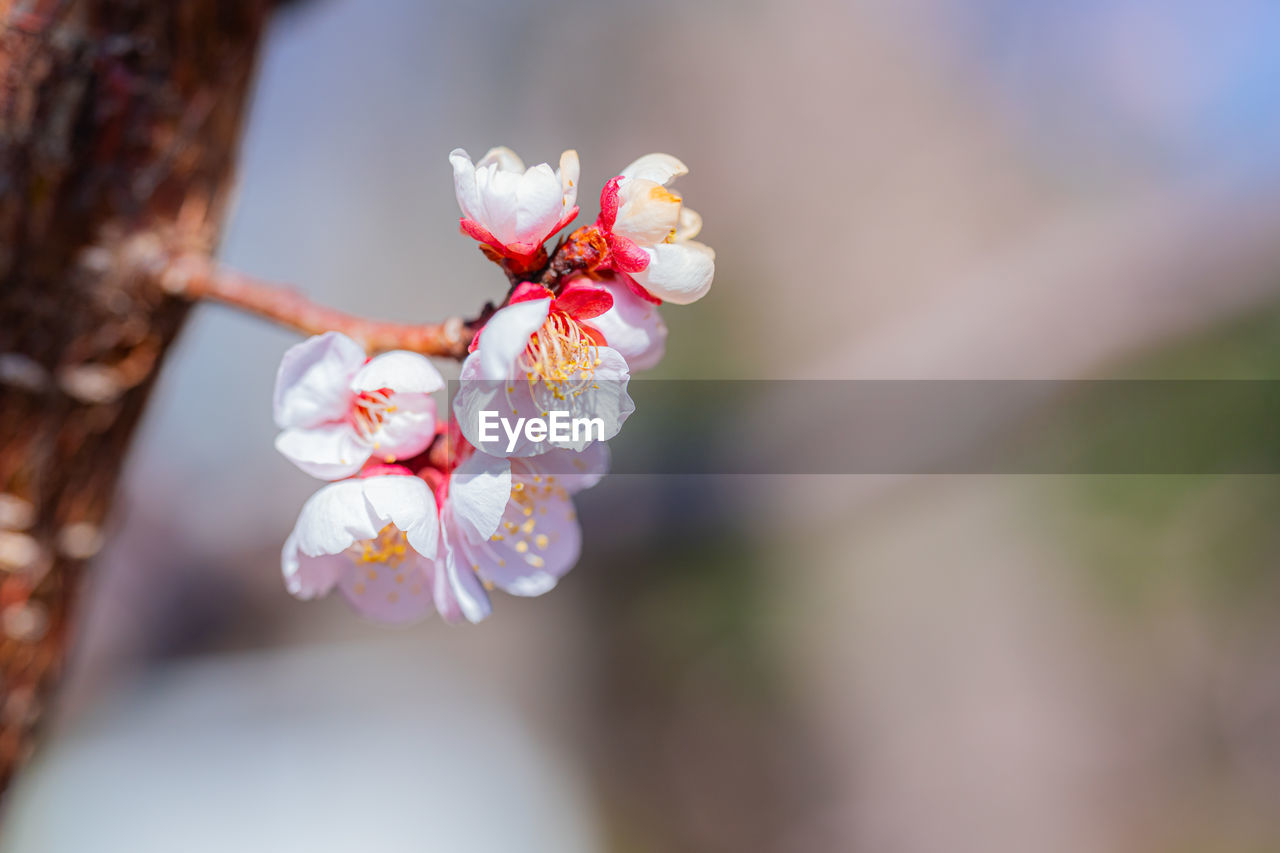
[195, 276]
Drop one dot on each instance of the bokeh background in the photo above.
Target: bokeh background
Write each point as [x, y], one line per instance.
[991, 189]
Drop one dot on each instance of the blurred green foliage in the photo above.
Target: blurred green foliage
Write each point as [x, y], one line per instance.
[1214, 534]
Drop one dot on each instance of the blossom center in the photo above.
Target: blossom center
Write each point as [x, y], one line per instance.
[390, 546]
[525, 533]
[562, 355]
[369, 409]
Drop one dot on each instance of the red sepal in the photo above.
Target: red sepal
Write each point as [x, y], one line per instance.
[625, 255]
[595, 335]
[379, 469]
[477, 231]
[609, 204]
[527, 291]
[583, 299]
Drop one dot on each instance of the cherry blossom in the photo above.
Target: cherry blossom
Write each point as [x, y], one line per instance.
[376, 537]
[510, 524]
[428, 516]
[649, 232]
[511, 209]
[540, 353]
[336, 407]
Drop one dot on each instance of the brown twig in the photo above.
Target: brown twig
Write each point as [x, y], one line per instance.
[197, 276]
[581, 251]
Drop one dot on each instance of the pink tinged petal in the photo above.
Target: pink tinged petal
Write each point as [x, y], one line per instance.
[329, 452]
[659, 168]
[633, 327]
[575, 470]
[510, 398]
[649, 213]
[459, 593]
[506, 335]
[469, 592]
[538, 542]
[312, 382]
[607, 400]
[504, 158]
[406, 420]
[401, 371]
[310, 577]
[399, 593]
[406, 502]
[678, 272]
[478, 492]
[442, 596]
[348, 512]
[408, 427]
[568, 175]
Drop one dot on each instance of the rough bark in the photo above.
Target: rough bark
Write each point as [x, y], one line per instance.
[119, 121]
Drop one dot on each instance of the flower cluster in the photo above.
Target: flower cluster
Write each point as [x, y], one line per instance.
[423, 512]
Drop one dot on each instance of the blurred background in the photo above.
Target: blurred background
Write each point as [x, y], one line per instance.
[904, 189]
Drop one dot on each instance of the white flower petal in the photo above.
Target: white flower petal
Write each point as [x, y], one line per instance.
[329, 452]
[478, 493]
[540, 205]
[649, 213]
[459, 592]
[499, 201]
[348, 512]
[659, 168]
[464, 184]
[568, 175]
[406, 502]
[310, 577]
[442, 595]
[678, 272]
[407, 429]
[606, 400]
[509, 398]
[400, 371]
[520, 207]
[689, 226]
[540, 540]
[334, 519]
[312, 382]
[396, 594]
[506, 336]
[505, 159]
[575, 470]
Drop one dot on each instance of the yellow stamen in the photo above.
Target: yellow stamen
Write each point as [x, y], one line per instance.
[389, 546]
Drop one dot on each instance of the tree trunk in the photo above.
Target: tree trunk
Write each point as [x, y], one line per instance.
[119, 121]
